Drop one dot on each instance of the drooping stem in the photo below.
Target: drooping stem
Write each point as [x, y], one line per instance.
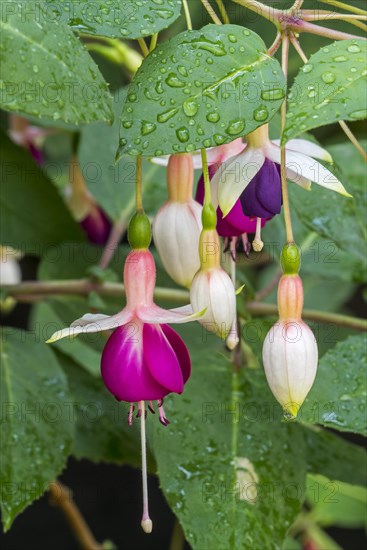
[283, 166]
[211, 12]
[348, 132]
[275, 45]
[305, 26]
[139, 185]
[272, 14]
[187, 15]
[344, 6]
[153, 42]
[119, 228]
[144, 48]
[328, 15]
[61, 496]
[223, 12]
[178, 537]
[207, 198]
[146, 522]
[296, 6]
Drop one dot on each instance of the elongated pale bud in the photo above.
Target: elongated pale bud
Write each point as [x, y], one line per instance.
[290, 350]
[177, 225]
[212, 288]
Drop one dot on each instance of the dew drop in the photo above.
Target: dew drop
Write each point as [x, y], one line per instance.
[132, 97]
[173, 81]
[183, 134]
[219, 139]
[207, 142]
[307, 68]
[190, 107]
[261, 113]
[272, 95]
[339, 58]
[328, 77]
[147, 128]
[213, 117]
[235, 127]
[163, 117]
[354, 48]
[361, 114]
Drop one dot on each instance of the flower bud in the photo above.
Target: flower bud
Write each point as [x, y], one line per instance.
[212, 288]
[290, 350]
[177, 225]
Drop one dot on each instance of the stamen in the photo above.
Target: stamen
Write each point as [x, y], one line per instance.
[257, 243]
[151, 407]
[162, 416]
[246, 244]
[232, 246]
[146, 522]
[130, 415]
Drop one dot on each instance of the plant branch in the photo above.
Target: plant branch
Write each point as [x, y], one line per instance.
[211, 12]
[304, 26]
[344, 6]
[187, 15]
[275, 45]
[261, 309]
[61, 496]
[85, 286]
[271, 14]
[321, 15]
[222, 11]
[144, 48]
[118, 230]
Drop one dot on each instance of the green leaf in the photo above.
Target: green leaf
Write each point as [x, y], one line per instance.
[102, 433]
[332, 456]
[232, 472]
[338, 397]
[118, 19]
[200, 89]
[33, 215]
[330, 87]
[334, 217]
[336, 503]
[35, 428]
[50, 73]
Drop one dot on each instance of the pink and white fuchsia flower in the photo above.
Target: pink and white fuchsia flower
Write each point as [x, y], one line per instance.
[144, 359]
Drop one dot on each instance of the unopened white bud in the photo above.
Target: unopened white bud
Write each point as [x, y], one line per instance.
[290, 361]
[147, 525]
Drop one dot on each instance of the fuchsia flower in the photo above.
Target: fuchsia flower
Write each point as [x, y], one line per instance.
[27, 136]
[144, 359]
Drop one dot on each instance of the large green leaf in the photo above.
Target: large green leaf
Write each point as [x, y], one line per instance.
[338, 397]
[46, 70]
[36, 431]
[332, 216]
[117, 19]
[102, 433]
[330, 87]
[33, 215]
[231, 470]
[332, 456]
[200, 89]
[113, 186]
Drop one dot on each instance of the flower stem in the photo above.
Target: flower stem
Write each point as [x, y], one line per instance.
[275, 45]
[348, 132]
[146, 522]
[139, 185]
[207, 198]
[271, 14]
[119, 228]
[153, 42]
[61, 496]
[327, 15]
[296, 6]
[211, 12]
[187, 15]
[283, 167]
[344, 6]
[144, 48]
[223, 12]
[178, 537]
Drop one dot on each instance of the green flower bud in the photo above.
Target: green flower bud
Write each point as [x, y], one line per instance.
[290, 259]
[139, 232]
[209, 217]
